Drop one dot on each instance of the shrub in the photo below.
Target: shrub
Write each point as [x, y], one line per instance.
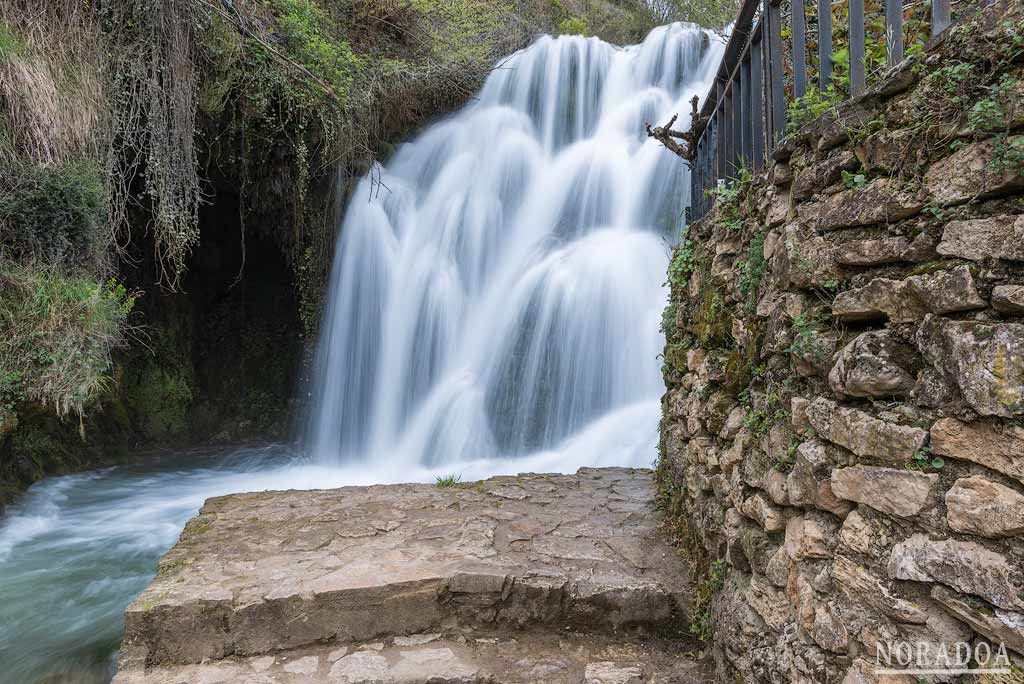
[52, 214]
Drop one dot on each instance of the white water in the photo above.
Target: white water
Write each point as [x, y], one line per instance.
[494, 309]
[499, 283]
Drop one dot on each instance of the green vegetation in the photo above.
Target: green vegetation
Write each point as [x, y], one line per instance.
[700, 621]
[854, 181]
[57, 214]
[924, 460]
[445, 481]
[752, 270]
[57, 332]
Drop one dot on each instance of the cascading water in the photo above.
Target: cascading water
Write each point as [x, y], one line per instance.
[496, 294]
[498, 284]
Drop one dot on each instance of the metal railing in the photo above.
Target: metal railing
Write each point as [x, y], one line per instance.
[744, 115]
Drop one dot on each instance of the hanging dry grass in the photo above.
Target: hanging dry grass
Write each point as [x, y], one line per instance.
[51, 89]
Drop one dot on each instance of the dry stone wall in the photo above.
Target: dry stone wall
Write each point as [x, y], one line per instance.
[842, 441]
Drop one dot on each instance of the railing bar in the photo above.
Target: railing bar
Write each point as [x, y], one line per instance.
[747, 117]
[776, 94]
[894, 31]
[756, 107]
[940, 16]
[799, 49]
[824, 44]
[737, 41]
[730, 131]
[738, 123]
[857, 81]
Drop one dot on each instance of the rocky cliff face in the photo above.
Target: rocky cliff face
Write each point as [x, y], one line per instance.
[842, 440]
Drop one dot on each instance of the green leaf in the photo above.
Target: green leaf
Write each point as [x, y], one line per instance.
[937, 462]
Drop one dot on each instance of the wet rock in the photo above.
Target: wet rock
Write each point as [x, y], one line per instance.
[966, 566]
[872, 365]
[977, 505]
[998, 237]
[996, 625]
[985, 361]
[970, 173]
[881, 201]
[1008, 299]
[904, 493]
[863, 434]
[995, 447]
[863, 587]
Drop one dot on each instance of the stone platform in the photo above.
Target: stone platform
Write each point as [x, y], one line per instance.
[402, 583]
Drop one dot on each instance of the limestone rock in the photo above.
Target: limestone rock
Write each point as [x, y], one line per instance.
[903, 493]
[995, 447]
[996, 625]
[880, 201]
[820, 175]
[977, 505]
[858, 533]
[944, 292]
[999, 237]
[887, 250]
[863, 434]
[809, 537]
[966, 566]
[880, 298]
[612, 673]
[1008, 299]
[863, 672]
[807, 260]
[828, 630]
[886, 150]
[910, 299]
[863, 587]
[777, 570]
[985, 361]
[770, 603]
[360, 668]
[758, 508]
[364, 563]
[969, 173]
[872, 365]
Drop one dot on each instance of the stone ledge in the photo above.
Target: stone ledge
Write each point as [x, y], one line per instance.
[488, 658]
[263, 572]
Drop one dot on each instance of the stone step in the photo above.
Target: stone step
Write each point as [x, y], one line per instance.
[264, 572]
[526, 658]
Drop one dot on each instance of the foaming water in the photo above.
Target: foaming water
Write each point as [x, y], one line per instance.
[499, 283]
[494, 309]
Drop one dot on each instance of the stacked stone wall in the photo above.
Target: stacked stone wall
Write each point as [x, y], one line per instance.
[842, 441]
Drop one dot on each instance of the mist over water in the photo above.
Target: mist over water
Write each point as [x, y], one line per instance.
[499, 283]
[494, 308]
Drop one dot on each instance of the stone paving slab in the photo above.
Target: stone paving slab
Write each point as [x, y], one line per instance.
[264, 572]
[435, 659]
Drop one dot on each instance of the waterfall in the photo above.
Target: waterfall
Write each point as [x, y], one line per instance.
[498, 284]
